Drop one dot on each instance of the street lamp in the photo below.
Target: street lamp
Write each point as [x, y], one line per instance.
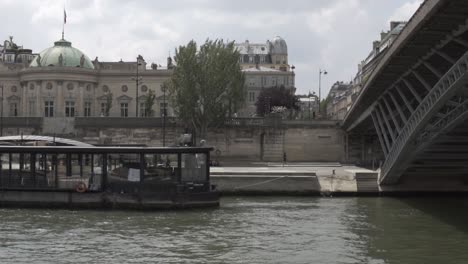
[1, 114]
[163, 88]
[137, 80]
[320, 81]
[311, 95]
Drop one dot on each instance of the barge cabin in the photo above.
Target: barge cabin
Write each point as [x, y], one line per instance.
[106, 177]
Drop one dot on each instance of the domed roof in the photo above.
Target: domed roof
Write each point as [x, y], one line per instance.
[62, 54]
[278, 46]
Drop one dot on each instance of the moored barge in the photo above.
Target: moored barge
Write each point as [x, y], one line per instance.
[106, 177]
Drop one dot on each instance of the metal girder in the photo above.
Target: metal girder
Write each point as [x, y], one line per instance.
[402, 95]
[436, 72]
[397, 125]
[445, 56]
[385, 118]
[461, 41]
[412, 90]
[379, 135]
[400, 111]
[422, 81]
[382, 129]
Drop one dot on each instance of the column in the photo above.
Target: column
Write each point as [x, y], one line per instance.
[38, 111]
[79, 111]
[23, 102]
[59, 108]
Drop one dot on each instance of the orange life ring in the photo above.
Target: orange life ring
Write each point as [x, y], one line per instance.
[80, 187]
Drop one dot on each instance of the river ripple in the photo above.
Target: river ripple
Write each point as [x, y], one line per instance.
[246, 230]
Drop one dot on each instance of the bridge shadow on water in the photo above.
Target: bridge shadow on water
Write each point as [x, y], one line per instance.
[449, 209]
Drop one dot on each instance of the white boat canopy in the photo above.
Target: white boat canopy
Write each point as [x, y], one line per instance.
[32, 138]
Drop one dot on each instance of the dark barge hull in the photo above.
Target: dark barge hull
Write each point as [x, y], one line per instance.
[106, 200]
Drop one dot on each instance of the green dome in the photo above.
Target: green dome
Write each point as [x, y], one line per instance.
[71, 57]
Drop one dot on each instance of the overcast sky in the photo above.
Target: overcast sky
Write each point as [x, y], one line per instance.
[330, 34]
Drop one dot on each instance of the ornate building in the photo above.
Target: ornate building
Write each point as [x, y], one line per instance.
[265, 65]
[62, 81]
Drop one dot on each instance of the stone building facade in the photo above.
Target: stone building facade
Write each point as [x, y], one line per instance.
[342, 97]
[61, 81]
[265, 65]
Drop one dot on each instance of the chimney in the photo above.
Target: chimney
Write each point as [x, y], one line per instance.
[375, 44]
[394, 24]
[383, 35]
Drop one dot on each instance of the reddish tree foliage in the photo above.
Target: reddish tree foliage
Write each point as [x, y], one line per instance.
[275, 96]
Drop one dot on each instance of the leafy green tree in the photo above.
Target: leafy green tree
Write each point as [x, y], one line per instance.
[323, 105]
[207, 84]
[108, 103]
[149, 103]
[275, 98]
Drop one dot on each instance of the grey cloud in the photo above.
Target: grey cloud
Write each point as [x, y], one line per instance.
[114, 29]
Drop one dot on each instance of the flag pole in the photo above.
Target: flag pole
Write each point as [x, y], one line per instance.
[64, 22]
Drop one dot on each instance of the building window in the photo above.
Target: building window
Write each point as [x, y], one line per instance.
[14, 109]
[163, 109]
[32, 108]
[87, 109]
[49, 108]
[69, 109]
[246, 58]
[124, 109]
[104, 109]
[251, 96]
[143, 110]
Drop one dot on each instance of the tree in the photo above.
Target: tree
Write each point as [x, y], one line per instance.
[323, 106]
[149, 103]
[207, 84]
[275, 98]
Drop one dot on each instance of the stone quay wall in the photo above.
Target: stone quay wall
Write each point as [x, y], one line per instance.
[242, 140]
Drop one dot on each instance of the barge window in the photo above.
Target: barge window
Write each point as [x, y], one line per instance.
[160, 168]
[194, 167]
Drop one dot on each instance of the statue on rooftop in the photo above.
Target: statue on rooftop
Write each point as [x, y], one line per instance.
[82, 60]
[38, 60]
[60, 60]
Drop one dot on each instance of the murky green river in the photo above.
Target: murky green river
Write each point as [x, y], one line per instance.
[246, 230]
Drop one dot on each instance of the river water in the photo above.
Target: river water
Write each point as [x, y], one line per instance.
[246, 230]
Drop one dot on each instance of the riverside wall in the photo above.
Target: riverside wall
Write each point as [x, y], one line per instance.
[251, 140]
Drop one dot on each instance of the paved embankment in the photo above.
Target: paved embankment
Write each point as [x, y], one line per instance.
[297, 178]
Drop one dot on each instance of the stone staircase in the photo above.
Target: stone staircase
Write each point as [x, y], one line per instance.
[273, 144]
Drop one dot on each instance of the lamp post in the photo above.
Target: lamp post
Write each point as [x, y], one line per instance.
[163, 88]
[320, 91]
[1, 114]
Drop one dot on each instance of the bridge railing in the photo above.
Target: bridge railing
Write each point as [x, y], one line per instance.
[443, 90]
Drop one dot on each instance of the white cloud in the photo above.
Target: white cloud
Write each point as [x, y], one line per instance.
[331, 34]
[404, 12]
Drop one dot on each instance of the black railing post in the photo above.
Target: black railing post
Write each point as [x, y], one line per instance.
[104, 172]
